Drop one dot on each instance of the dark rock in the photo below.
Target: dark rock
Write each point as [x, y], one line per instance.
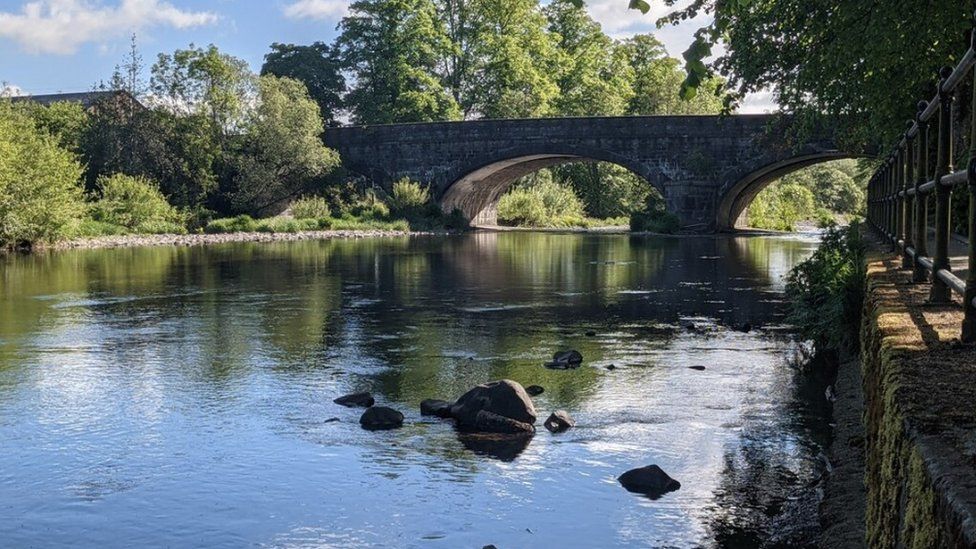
[381, 418]
[565, 359]
[434, 407]
[744, 328]
[559, 421]
[651, 481]
[590, 333]
[612, 367]
[489, 547]
[332, 420]
[696, 367]
[490, 422]
[356, 400]
[505, 398]
[534, 390]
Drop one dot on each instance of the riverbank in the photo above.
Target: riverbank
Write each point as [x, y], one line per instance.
[134, 240]
[920, 419]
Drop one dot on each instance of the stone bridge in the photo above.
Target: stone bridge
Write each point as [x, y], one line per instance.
[707, 168]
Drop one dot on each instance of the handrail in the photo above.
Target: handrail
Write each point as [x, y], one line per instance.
[899, 192]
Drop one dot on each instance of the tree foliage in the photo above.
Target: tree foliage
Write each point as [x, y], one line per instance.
[318, 67]
[39, 193]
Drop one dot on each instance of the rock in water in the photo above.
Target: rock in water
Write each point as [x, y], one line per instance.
[381, 418]
[534, 390]
[565, 359]
[559, 421]
[651, 481]
[505, 398]
[590, 333]
[433, 407]
[356, 400]
[696, 367]
[488, 422]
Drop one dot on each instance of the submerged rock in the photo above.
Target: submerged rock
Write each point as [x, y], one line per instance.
[356, 400]
[565, 359]
[696, 367]
[744, 328]
[590, 333]
[559, 421]
[651, 481]
[504, 398]
[611, 367]
[534, 390]
[434, 407]
[381, 418]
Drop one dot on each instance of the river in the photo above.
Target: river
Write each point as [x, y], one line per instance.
[182, 396]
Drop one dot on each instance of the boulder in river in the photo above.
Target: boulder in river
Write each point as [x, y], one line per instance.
[490, 422]
[651, 481]
[381, 418]
[434, 407]
[534, 390]
[559, 421]
[563, 360]
[356, 400]
[698, 367]
[504, 398]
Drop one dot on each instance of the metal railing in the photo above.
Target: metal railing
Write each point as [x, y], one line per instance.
[900, 190]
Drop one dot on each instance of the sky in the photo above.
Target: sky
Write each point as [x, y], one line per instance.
[52, 46]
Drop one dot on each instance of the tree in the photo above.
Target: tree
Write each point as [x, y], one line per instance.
[39, 192]
[515, 61]
[204, 81]
[65, 121]
[657, 82]
[392, 48]
[865, 64]
[282, 152]
[318, 67]
[595, 77]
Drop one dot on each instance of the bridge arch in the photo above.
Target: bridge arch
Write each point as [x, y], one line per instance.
[745, 182]
[476, 187]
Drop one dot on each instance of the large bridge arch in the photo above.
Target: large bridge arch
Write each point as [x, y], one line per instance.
[475, 188]
[708, 168]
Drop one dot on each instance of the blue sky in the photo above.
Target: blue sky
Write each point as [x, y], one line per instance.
[50, 46]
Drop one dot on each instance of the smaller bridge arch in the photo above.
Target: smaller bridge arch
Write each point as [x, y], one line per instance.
[707, 168]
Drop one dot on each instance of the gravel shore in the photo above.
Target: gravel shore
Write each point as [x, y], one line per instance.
[128, 241]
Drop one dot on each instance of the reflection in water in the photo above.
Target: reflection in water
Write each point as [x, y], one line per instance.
[183, 396]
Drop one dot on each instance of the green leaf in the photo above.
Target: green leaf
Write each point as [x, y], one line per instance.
[641, 5]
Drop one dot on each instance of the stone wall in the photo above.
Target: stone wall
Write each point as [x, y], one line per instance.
[920, 415]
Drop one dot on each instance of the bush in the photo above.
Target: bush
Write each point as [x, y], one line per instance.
[310, 207]
[286, 225]
[826, 291]
[655, 218]
[160, 227]
[133, 202]
[780, 206]
[239, 224]
[545, 203]
[40, 198]
[88, 228]
[408, 196]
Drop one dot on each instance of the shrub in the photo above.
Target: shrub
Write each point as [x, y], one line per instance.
[40, 199]
[161, 227]
[408, 196]
[545, 203]
[655, 218]
[88, 228]
[310, 207]
[780, 206]
[239, 224]
[133, 202]
[826, 291]
[286, 225]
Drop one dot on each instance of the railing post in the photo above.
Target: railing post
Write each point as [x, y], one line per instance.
[907, 175]
[920, 274]
[941, 293]
[900, 199]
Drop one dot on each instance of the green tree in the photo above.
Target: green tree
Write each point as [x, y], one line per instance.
[516, 61]
[657, 81]
[204, 81]
[318, 67]
[865, 64]
[781, 206]
[39, 193]
[595, 77]
[65, 121]
[282, 153]
[135, 203]
[392, 48]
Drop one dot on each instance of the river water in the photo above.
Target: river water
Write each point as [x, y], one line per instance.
[182, 397]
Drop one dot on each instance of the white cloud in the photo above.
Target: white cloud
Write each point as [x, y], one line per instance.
[62, 26]
[759, 103]
[317, 9]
